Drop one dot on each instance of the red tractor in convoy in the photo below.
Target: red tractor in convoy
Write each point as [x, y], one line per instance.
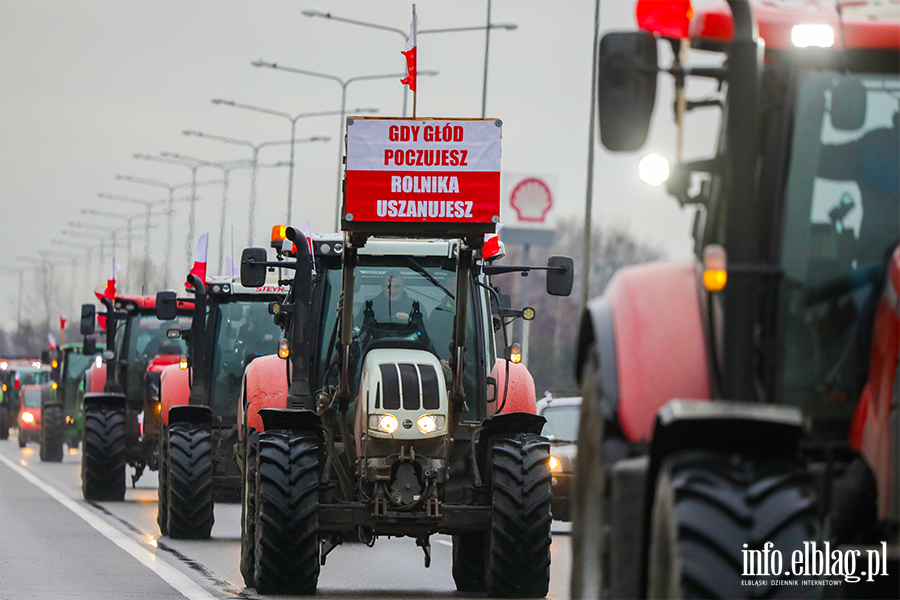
[744, 405]
[121, 400]
[231, 326]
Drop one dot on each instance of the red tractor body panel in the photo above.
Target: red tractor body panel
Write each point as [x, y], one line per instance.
[520, 397]
[96, 378]
[161, 361]
[870, 432]
[266, 386]
[174, 390]
[661, 348]
[34, 410]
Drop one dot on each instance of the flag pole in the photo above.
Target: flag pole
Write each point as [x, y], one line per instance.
[414, 105]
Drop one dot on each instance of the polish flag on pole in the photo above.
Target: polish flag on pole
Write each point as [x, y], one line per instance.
[109, 291]
[199, 268]
[62, 320]
[51, 341]
[410, 53]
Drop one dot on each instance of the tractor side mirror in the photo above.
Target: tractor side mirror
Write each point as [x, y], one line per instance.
[253, 267]
[88, 318]
[89, 347]
[626, 82]
[45, 357]
[848, 105]
[166, 306]
[561, 277]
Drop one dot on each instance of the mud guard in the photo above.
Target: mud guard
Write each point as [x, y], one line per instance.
[500, 424]
[725, 426]
[646, 312]
[195, 415]
[111, 400]
[174, 390]
[265, 386]
[292, 419]
[520, 397]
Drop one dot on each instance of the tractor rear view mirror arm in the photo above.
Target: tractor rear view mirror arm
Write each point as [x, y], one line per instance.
[255, 264]
[560, 273]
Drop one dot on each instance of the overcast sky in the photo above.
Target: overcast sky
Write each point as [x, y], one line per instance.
[86, 85]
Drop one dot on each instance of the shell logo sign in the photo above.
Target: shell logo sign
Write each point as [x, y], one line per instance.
[529, 201]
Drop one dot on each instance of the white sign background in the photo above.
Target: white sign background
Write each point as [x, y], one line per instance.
[534, 209]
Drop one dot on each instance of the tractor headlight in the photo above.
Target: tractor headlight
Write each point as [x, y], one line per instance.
[53, 385]
[555, 465]
[384, 423]
[28, 417]
[430, 423]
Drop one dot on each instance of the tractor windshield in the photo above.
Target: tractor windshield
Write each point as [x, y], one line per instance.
[75, 366]
[401, 298]
[31, 398]
[146, 338]
[33, 377]
[841, 222]
[245, 330]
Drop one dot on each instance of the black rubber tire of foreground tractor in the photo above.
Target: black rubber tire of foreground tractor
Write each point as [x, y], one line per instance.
[287, 509]
[4, 422]
[23, 438]
[104, 453]
[162, 491]
[589, 493]
[468, 561]
[518, 555]
[190, 464]
[248, 511]
[708, 505]
[52, 425]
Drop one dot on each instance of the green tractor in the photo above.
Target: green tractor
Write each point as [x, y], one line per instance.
[62, 399]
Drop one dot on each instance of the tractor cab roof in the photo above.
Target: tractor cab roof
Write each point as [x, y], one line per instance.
[331, 244]
[860, 25]
[226, 285]
[144, 304]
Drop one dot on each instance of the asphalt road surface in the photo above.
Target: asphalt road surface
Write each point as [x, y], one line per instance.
[53, 544]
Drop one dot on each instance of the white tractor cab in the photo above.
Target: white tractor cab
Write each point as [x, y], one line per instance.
[230, 327]
[393, 418]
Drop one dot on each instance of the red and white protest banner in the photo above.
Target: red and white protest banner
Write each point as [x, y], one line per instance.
[423, 171]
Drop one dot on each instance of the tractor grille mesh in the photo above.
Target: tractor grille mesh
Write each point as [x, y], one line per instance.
[412, 386]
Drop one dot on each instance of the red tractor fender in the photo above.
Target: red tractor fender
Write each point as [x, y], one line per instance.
[95, 378]
[265, 386]
[870, 431]
[161, 361]
[174, 390]
[520, 396]
[650, 341]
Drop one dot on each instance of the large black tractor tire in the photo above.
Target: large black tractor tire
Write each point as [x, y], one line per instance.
[589, 493]
[23, 438]
[190, 466]
[287, 509]
[4, 422]
[708, 505]
[162, 492]
[468, 561]
[52, 433]
[248, 511]
[518, 554]
[104, 453]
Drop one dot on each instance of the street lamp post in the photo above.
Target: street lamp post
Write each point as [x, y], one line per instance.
[170, 211]
[20, 273]
[148, 206]
[343, 83]
[128, 232]
[293, 120]
[254, 165]
[312, 12]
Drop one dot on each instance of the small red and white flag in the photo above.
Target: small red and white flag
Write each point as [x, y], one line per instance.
[410, 53]
[492, 246]
[51, 341]
[109, 291]
[309, 242]
[62, 320]
[199, 268]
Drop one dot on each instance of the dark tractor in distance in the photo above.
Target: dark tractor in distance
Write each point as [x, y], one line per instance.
[12, 380]
[386, 413]
[230, 327]
[121, 400]
[62, 412]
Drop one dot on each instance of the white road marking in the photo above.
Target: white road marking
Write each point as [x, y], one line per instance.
[167, 572]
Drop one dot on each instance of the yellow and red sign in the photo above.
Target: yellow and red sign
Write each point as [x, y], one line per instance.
[423, 171]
